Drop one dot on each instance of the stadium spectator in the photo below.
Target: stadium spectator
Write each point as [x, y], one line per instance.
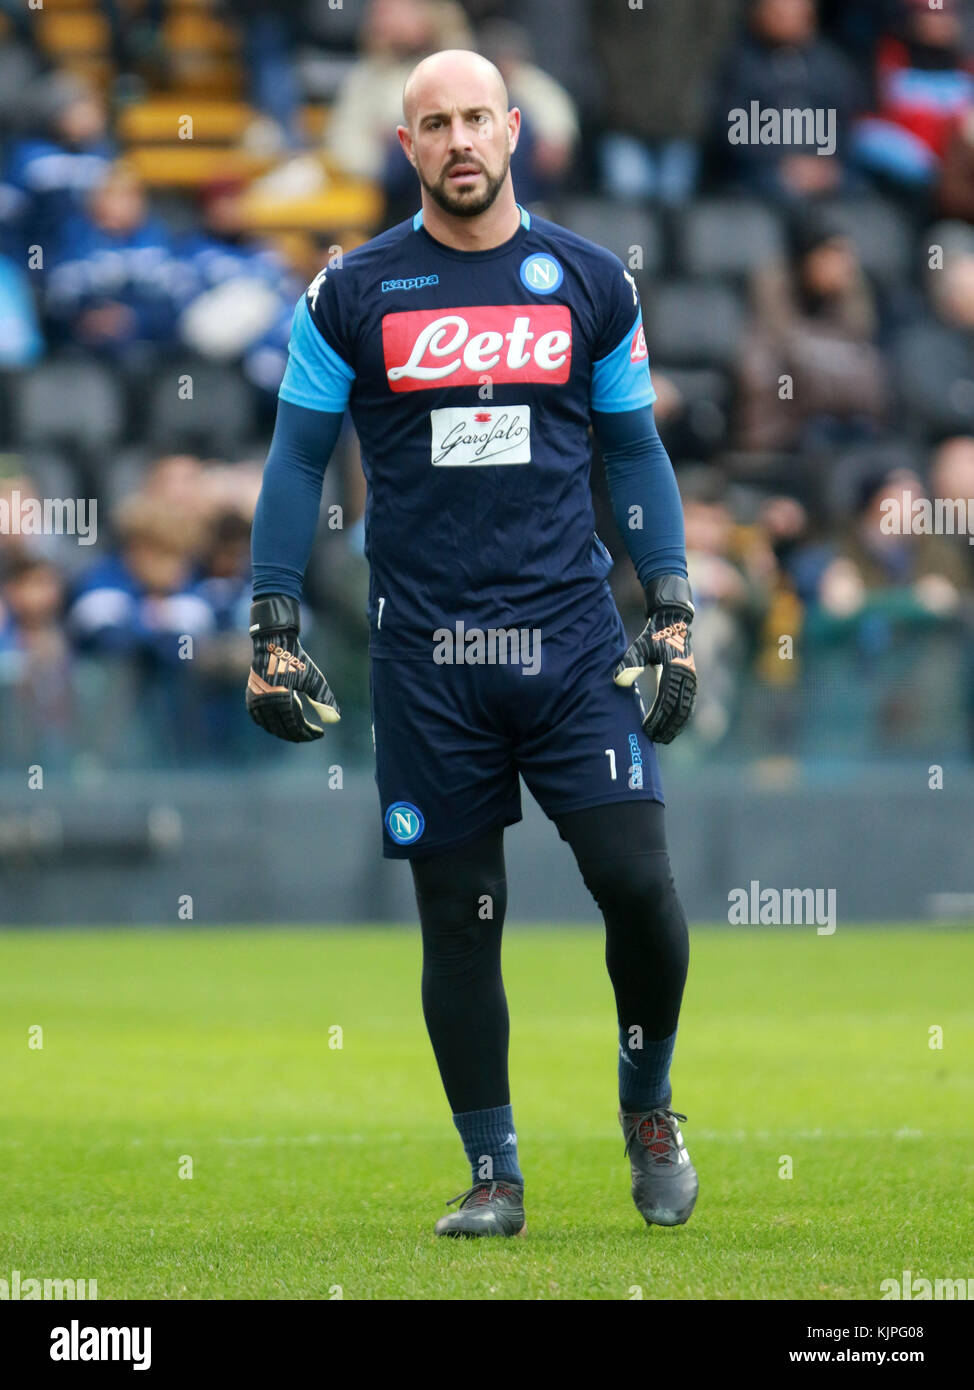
[810, 370]
[727, 607]
[884, 564]
[21, 71]
[858, 24]
[270, 34]
[137, 42]
[222, 659]
[925, 86]
[140, 601]
[47, 176]
[566, 48]
[117, 281]
[952, 477]
[395, 34]
[934, 354]
[783, 64]
[662, 59]
[550, 128]
[36, 670]
[956, 191]
[239, 295]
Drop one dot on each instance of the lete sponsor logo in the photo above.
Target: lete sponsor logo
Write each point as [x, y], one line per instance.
[638, 352]
[427, 348]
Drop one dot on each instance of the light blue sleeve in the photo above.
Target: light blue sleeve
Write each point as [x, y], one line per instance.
[316, 377]
[621, 381]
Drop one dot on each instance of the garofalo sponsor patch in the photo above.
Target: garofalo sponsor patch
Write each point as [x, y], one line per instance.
[468, 436]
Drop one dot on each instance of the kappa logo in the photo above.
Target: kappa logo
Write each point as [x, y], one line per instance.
[427, 348]
[638, 351]
[404, 822]
[314, 288]
[411, 282]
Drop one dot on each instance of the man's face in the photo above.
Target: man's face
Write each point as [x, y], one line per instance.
[118, 205]
[461, 147]
[785, 21]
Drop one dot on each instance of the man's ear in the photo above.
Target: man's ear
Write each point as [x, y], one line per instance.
[513, 127]
[406, 141]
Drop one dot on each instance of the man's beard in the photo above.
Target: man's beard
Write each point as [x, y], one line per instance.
[462, 204]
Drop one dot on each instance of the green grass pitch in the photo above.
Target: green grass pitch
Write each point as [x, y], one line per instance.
[318, 1169]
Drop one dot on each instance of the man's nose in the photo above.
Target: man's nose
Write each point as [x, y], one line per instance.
[459, 134]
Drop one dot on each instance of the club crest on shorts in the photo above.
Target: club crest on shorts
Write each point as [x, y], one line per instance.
[404, 822]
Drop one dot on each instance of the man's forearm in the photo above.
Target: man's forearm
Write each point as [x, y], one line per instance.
[640, 475]
[287, 511]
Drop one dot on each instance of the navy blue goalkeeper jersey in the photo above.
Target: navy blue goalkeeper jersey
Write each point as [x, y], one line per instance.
[471, 377]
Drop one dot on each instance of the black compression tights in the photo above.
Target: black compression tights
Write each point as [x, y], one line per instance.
[462, 897]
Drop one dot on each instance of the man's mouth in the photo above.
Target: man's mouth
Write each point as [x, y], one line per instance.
[462, 173]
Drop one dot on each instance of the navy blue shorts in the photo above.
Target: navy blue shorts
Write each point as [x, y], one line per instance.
[451, 739]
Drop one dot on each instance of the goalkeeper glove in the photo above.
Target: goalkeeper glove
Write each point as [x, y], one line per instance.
[286, 693]
[665, 644]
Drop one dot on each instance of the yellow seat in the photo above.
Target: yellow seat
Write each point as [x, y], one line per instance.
[196, 29]
[189, 165]
[314, 119]
[350, 204]
[204, 78]
[72, 31]
[214, 122]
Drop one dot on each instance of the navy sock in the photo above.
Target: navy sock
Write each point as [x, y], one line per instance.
[490, 1143]
[644, 1072]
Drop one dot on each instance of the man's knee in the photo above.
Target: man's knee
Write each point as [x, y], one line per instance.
[629, 885]
[462, 898]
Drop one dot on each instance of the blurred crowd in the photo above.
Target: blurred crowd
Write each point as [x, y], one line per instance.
[809, 312]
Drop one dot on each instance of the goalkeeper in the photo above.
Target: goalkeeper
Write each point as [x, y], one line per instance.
[475, 344]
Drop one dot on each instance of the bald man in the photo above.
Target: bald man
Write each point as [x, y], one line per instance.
[475, 344]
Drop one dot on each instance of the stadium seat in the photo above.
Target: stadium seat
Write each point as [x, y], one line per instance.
[64, 33]
[934, 371]
[196, 31]
[702, 425]
[851, 467]
[178, 208]
[126, 474]
[693, 323]
[214, 423]
[68, 401]
[159, 120]
[9, 385]
[344, 206]
[617, 226]
[727, 237]
[314, 118]
[53, 472]
[189, 165]
[882, 233]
